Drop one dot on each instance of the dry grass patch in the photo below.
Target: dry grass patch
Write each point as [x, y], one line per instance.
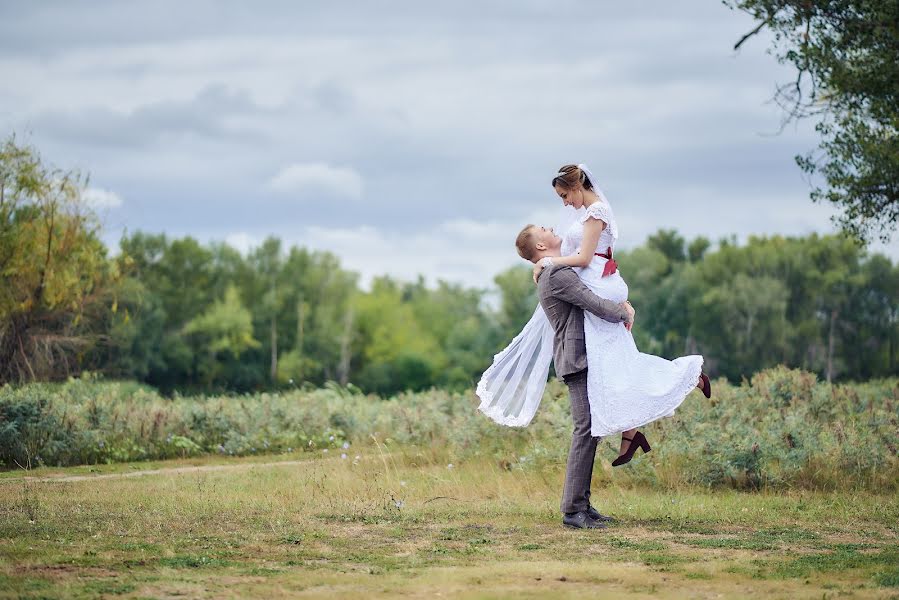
[398, 525]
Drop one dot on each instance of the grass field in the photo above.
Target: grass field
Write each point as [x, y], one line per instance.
[407, 524]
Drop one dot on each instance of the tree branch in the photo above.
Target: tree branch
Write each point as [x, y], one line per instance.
[752, 33]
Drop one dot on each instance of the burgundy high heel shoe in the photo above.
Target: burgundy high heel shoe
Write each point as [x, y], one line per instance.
[638, 441]
[706, 386]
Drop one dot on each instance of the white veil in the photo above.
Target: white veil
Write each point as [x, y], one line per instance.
[511, 388]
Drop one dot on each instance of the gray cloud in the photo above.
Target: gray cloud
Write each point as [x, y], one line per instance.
[448, 112]
[207, 115]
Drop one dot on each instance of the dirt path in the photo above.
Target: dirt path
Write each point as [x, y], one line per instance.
[166, 471]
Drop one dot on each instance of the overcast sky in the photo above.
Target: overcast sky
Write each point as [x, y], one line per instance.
[406, 137]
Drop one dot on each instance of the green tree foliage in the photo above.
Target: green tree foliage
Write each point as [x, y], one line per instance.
[393, 345]
[219, 336]
[669, 243]
[846, 53]
[518, 299]
[55, 275]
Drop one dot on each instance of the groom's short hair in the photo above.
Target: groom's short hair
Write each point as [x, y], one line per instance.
[527, 247]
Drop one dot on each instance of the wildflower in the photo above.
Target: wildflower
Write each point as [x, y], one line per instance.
[331, 438]
[346, 445]
[343, 456]
[449, 466]
[399, 503]
[358, 457]
[289, 449]
[402, 484]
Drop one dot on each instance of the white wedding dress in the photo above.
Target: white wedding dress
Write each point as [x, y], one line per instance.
[625, 387]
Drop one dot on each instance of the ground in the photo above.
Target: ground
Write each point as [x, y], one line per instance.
[401, 524]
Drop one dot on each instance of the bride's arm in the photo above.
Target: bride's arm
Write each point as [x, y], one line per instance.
[592, 230]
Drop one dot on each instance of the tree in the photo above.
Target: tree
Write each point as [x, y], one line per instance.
[669, 243]
[846, 53]
[224, 330]
[317, 318]
[394, 349]
[55, 276]
[752, 316]
[697, 249]
[518, 299]
[267, 263]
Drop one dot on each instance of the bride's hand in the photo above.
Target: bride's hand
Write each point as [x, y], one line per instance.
[538, 267]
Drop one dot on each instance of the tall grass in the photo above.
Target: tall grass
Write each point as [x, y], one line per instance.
[781, 429]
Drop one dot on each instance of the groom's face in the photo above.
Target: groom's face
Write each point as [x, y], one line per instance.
[545, 238]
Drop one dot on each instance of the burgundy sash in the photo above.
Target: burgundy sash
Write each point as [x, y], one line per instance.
[611, 265]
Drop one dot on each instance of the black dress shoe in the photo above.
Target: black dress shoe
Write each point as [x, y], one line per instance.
[581, 520]
[597, 516]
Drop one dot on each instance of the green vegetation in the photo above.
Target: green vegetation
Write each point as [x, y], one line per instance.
[402, 522]
[846, 56]
[781, 430]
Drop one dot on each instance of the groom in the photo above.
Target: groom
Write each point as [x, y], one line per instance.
[564, 298]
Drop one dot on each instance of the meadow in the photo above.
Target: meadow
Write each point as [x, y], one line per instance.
[783, 485]
[408, 524]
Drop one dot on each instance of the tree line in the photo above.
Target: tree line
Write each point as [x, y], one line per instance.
[184, 316]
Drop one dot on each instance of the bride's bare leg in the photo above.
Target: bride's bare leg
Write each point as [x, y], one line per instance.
[625, 444]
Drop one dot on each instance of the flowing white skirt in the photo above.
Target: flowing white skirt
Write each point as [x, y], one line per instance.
[626, 388]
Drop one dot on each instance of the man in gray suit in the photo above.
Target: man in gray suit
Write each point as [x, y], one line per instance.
[564, 298]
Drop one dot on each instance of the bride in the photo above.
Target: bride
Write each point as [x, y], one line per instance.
[626, 388]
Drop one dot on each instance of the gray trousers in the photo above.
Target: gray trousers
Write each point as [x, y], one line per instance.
[579, 472]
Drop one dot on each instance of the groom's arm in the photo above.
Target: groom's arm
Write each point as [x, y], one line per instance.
[567, 286]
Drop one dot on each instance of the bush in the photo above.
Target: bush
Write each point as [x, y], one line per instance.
[782, 429]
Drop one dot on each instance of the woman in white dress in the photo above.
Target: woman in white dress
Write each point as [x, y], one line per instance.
[626, 388]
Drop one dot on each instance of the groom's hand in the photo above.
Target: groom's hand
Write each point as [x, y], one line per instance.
[631, 314]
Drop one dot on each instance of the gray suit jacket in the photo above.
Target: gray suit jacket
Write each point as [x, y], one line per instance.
[564, 299]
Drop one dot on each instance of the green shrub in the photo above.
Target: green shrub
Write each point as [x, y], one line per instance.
[781, 429]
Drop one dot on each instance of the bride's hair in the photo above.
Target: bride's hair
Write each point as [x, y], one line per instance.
[525, 245]
[570, 176]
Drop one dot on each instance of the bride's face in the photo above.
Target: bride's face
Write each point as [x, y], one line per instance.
[573, 197]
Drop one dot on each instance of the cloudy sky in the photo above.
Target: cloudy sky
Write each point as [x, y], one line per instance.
[406, 137]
